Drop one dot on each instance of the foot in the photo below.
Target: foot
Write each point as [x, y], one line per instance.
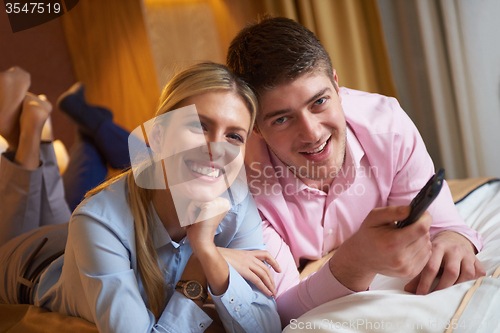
[35, 112]
[87, 117]
[14, 84]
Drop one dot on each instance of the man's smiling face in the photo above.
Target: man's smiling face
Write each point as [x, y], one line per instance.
[303, 123]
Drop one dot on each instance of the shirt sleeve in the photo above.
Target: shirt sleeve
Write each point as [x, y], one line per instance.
[412, 169]
[111, 288]
[296, 297]
[243, 307]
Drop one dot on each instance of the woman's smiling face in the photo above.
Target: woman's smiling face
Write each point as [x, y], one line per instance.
[203, 145]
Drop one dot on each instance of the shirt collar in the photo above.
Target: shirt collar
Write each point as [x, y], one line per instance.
[162, 238]
[354, 147]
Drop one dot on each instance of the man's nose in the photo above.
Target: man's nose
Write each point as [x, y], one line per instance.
[309, 128]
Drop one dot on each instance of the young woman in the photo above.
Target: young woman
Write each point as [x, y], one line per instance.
[128, 265]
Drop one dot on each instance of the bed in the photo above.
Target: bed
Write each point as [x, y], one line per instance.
[472, 306]
[386, 308]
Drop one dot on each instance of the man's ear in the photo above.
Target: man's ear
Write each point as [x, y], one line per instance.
[256, 131]
[336, 83]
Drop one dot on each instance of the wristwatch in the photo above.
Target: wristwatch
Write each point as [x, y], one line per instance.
[192, 290]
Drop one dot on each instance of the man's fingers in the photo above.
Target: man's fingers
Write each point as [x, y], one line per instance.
[429, 273]
[385, 215]
[467, 271]
[422, 225]
[480, 271]
[411, 286]
[451, 273]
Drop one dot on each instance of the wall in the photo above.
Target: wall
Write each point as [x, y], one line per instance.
[43, 52]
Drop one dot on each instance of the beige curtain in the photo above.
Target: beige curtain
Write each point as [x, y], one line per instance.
[466, 89]
[111, 55]
[351, 32]
[444, 54]
[183, 32]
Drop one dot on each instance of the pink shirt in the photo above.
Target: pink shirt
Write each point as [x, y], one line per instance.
[386, 163]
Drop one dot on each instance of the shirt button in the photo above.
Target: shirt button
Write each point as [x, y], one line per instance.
[330, 231]
[169, 286]
[231, 300]
[237, 308]
[202, 326]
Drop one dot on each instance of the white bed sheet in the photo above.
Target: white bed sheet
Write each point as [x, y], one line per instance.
[387, 308]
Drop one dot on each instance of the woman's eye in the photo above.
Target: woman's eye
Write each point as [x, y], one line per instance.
[236, 137]
[280, 120]
[320, 101]
[196, 125]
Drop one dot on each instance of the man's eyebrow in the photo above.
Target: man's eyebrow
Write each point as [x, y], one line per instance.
[283, 111]
[318, 95]
[275, 113]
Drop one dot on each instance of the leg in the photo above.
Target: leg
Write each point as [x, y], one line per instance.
[14, 84]
[112, 142]
[15, 253]
[25, 186]
[110, 139]
[20, 198]
[86, 170]
[53, 208]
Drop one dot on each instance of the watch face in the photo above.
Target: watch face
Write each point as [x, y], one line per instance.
[193, 289]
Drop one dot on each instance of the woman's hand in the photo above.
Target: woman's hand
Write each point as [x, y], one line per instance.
[203, 219]
[206, 217]
[251, 266]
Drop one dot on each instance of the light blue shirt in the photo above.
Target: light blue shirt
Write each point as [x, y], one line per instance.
[98, 279]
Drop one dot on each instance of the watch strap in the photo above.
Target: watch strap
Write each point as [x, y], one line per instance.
[180, 286]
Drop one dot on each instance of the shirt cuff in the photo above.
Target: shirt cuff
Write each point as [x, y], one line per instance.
[322, 287]
[182, 315]
[20, 178]
[235, 300]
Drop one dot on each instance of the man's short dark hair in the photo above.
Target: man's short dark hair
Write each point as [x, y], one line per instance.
[274, 51]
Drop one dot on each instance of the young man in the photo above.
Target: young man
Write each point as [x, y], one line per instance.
[333, 168]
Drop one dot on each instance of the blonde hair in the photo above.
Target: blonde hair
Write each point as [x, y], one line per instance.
[197, 79]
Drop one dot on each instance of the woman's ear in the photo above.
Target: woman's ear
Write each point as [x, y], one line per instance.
[154, 140]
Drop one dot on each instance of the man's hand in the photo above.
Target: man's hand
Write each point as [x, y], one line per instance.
[378, 247]
[453, 259]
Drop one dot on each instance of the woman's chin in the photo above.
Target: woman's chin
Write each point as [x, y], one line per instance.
[199, 192]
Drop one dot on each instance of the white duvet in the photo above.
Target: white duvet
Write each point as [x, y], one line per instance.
[387, 308]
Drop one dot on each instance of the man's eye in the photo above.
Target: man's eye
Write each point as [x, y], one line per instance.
[280, 120]
[320, 101]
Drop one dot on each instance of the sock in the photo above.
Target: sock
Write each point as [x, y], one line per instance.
[87, 117]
